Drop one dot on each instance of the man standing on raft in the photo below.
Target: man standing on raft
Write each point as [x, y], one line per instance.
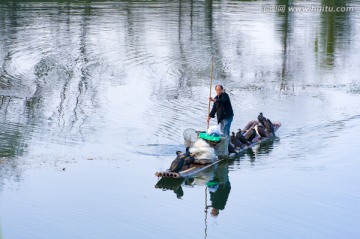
[223, 109]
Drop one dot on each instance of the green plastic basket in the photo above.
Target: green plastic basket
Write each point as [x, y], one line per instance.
[204, 135]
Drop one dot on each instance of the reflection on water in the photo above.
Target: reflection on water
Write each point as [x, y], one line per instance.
[263, 149]
[215, 179]
[9, 171]
[335, 30]
[219, 188]
[89, 51]
[119, 81]
[16, 115]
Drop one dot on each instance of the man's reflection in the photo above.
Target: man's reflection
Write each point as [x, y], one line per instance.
[219, 188]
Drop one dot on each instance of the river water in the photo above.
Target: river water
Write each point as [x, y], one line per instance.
[95, 95]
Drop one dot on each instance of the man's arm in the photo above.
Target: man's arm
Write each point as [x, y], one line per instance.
[213, 111]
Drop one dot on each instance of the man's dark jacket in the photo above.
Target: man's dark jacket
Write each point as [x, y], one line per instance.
[222, 107]
[220, 196]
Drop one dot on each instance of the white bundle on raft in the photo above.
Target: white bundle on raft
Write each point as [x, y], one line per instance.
[214, 130]
[202, 151]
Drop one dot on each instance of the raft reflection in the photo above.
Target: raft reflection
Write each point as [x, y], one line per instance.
[215, 179]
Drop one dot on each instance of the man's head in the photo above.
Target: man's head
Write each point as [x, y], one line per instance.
[219, 89]
[214, 212]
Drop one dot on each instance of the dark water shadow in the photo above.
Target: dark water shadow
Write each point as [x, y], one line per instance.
[335, 33]
[9, 171]
[216, 182]
[217, 189]
[264, 148]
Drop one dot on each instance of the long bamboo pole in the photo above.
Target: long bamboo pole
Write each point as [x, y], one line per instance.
[211, 78]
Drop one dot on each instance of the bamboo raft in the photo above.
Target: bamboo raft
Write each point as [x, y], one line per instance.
[197, 168]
